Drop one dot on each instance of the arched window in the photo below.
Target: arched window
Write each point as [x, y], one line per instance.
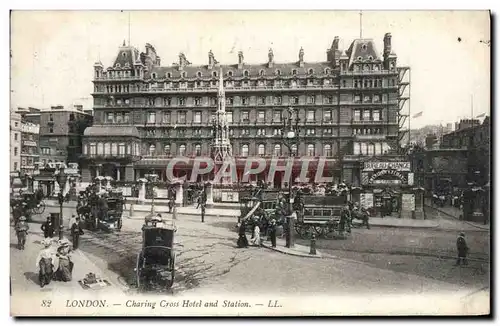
[371, 149]
[244, 150]
[183, 74]
[199, 74]
[262, 149]
[152, 149]
[262, 72]
[363, 149]
[327, 71]
[294, 149]
[182, 150]
[246, 73]
[311, 71]
[114, 149]
[356, 149]
[169, 75]
[230, 73]
[310, 150]
[129, 150]
[197, 150]
[277, 150]
[278, 72]
[294, 71]
[153, 75]
[214, 74]
[327, 150]
[100, 149]
[166, 149]
[137, 152]
[107, 148]
[121, 149]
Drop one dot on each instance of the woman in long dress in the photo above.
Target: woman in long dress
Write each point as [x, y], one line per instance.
[63, 262]
[242, 238]
[256, 239]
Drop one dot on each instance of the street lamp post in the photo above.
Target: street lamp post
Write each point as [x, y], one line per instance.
[289, 133]
[61, 180]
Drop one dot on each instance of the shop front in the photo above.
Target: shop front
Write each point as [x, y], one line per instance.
[387, 189]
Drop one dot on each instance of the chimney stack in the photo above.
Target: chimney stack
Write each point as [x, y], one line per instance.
[387, 45]
[211, 59]
[240, 59]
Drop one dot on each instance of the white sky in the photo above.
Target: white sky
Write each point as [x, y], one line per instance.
[53, 52]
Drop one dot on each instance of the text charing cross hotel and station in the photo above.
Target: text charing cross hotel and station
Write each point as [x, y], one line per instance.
[145, 113]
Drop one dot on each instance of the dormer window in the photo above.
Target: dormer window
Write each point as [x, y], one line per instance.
[153, 75]
[360, 58]
[214, 74]
[278, 72]
[246, 73]
[364, 47]
[261, 72]
[327, 71]
[169, 75]
[117, 65]
[199, 74]
[124, 54]
[311, 71]
[230, 73]
[183, 74]
[294, 71]
[370, 58]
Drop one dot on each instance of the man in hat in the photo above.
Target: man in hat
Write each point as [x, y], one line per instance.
[272, 232]
[22, 228]
[76, 231]
[45, 263]
[462, 249]
[48, 228]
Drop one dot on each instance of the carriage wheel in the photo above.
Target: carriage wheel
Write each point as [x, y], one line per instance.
[40, 208]
[331, 231]
[299, 229]
[307, 232]
[320, 230]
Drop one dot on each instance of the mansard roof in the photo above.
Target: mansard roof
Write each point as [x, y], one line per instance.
[362, 50]
[254, 70]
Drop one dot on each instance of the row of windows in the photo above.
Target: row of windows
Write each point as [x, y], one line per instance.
[370, 149]
[116, 149]
[244, 150]
[181, 132]
[198, 101]
[367, 115]
[124, 117]
[246, 73]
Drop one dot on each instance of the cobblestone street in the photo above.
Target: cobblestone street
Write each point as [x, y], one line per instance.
[382, 259]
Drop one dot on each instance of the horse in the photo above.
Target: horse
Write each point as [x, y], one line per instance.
[361, 214]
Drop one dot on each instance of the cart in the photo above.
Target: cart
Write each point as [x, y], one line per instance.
[155, 270]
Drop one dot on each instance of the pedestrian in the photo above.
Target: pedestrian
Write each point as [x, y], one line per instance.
[45, 263]
[462, 249]
[171, 204]
[21, 228]
[203, 212]
[242, 237]
[63, 262]
[272, 232]
[256, 239]
[48, 228]
[76, 231]
[71, 221]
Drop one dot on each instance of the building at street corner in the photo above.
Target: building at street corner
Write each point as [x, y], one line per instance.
[388, 185]
[29, 147]
[15, 142]
[61, 131]
[146, 113]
